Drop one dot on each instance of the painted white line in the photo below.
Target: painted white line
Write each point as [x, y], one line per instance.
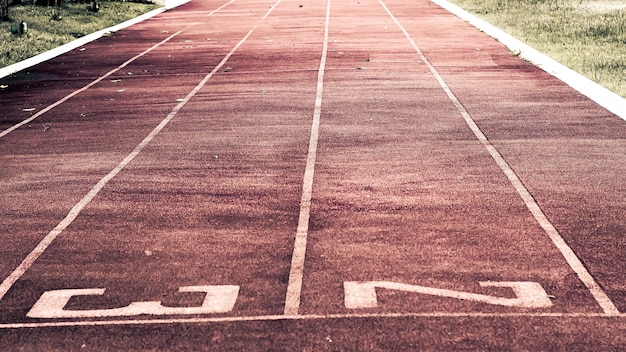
[91, 84]
[6, 285]
[604, 97]
[219, 8]
[294, 287]
[572, 259]
[261, 318]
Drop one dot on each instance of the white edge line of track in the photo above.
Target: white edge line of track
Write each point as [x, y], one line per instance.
[570, 256]
[84, 88]
[261, 318]
[21, 269]
[601, 95]
[296, 272]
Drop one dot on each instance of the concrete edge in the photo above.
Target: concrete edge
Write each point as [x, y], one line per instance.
[170, 4]
[601, 95]
[19, 66]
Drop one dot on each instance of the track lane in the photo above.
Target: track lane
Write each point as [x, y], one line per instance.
[42, 85]
[209, 171]
[567, 151]
[570, 256]
[429, 234]
[75, 184]
[49, 164]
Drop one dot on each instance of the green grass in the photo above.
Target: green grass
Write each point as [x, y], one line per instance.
[45, 32]
[589, 36]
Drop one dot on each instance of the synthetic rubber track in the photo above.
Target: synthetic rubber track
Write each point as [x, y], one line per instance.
[311, 175]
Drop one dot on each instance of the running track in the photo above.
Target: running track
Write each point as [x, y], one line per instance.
[307, 175]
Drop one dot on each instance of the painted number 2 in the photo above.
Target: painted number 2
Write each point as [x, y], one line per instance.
[528, 294]
[217, 299]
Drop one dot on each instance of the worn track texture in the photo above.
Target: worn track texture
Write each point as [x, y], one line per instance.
[294, 148]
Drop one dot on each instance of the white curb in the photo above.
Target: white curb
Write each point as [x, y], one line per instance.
[11, 69]
[604, 97]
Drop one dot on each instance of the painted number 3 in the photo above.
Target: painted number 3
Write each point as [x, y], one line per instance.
[217, 299]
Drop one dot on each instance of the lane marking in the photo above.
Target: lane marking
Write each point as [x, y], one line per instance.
[98, 80]
[294, 287]
[261, 318]
[219, 8]
[572, 259]
[91, 84]
[6, 285]
[51, 304]
[594, 91]
[528, 294]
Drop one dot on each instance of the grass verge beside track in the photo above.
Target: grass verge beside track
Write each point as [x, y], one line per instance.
[47, 31]
[588, 36]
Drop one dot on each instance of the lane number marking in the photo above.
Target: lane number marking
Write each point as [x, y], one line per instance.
[51, 304]
[528, 294]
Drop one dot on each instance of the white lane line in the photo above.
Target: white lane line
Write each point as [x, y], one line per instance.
[91, 84]
[572, 259]
[294, 287]
[6, 285]
[260, 318]
[219, 8]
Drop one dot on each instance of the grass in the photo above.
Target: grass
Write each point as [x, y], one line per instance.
[45, 32]
[588, 36]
